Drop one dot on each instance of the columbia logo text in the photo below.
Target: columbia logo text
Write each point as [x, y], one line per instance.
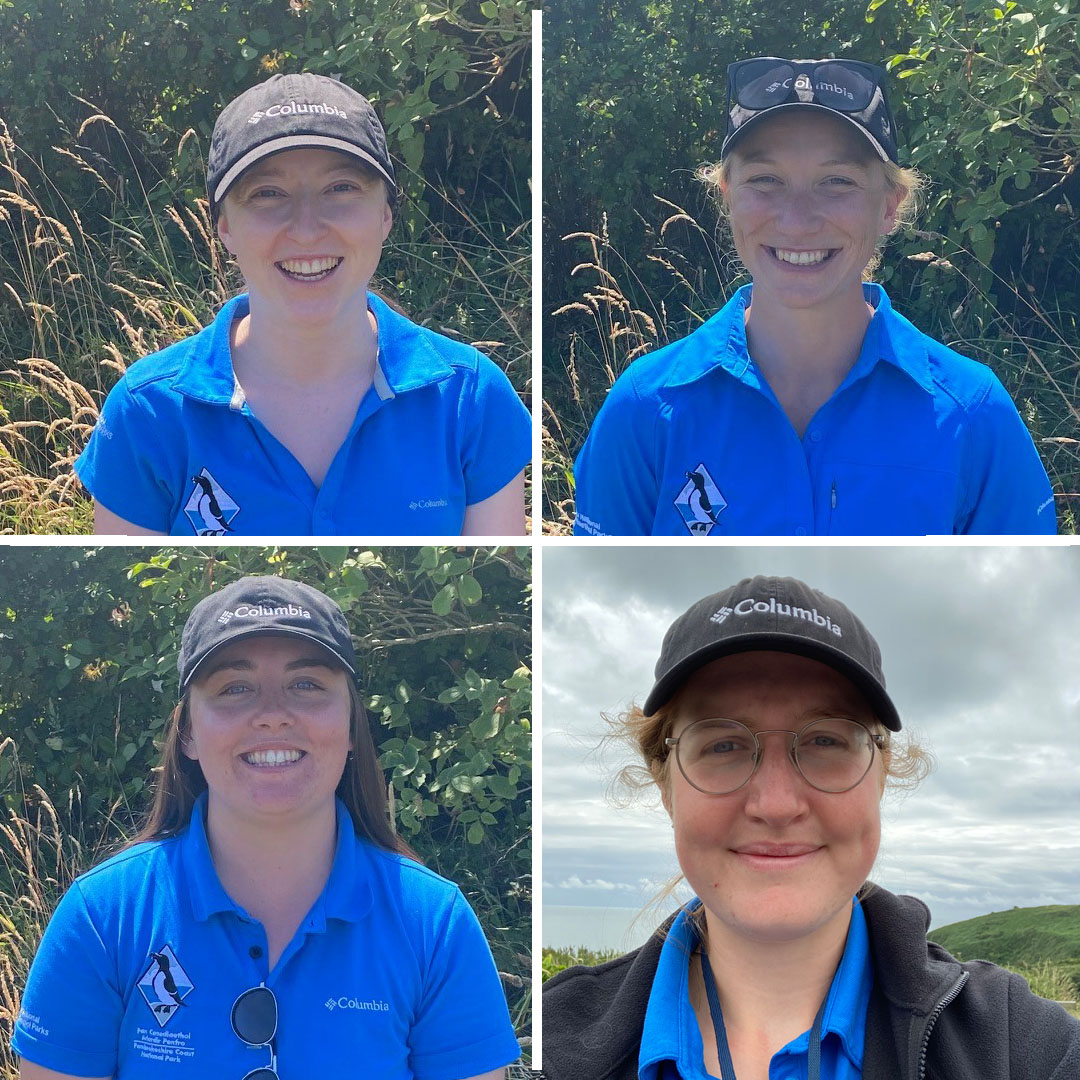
[372, 1005]
[771, 607]
[256, 611]
[292, 108]
[833, 88]
[427, 504]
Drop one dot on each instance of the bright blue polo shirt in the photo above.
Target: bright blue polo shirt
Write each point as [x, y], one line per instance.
[671, 1032]
[178, 450]
[916, 440]
[388, 974]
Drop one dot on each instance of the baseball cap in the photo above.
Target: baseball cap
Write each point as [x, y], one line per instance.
[262, 605]
[292, 112]
[780, 614]
[854, 91]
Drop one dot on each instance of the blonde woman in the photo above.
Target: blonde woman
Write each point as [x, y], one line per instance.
[807, 405]
[769, 732]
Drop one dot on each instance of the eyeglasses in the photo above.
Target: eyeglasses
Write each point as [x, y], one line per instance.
[765, 81]
[254, 1021]
[719, 756]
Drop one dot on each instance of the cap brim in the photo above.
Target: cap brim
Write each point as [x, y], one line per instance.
[256, 632]
[764, 114]
[293, 142]
[879, 701]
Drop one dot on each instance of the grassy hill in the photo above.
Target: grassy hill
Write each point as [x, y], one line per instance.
[1020, 939]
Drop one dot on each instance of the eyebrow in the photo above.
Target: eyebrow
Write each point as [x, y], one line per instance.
[273, 172]
[240, 663]
[763, 157]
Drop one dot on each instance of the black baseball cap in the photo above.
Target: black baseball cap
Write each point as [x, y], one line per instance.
[850, 89]
[293, 112]
[777, 614]
[263, 605]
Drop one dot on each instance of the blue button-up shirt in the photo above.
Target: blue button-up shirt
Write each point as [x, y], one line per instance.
[388, 973]
[916, 440]
[178, 450]
[671, 1033]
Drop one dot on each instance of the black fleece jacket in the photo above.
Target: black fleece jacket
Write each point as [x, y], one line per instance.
[930, 1017]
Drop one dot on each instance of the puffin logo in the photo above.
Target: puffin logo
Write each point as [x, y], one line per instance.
[164, 985]
[699, 502]
[210, 508]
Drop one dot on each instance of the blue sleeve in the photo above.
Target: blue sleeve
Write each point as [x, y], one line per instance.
[1007, 489]
[615, 481]
[498, 433]
[462, 1027]
[72, 1007]
[122, 465]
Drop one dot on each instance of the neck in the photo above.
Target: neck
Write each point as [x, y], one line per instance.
[806, 345]
[275, 869]
[770, 991]
[269, 347]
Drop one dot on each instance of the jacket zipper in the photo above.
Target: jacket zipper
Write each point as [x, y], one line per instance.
[949, 997]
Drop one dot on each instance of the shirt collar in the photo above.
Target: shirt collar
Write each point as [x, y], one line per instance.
[671, 1030]
[407, 358]
[347, 894]
[721, 343]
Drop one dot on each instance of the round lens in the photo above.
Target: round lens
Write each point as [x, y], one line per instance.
[761, 84]
[716, 756]
[834, 755]
[254, 1017]
[842, 88]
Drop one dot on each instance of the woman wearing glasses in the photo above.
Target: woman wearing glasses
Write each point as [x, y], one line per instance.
[266, 922]
[769, 733]
[808, 405]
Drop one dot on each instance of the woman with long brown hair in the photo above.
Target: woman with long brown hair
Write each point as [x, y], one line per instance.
[266, 922]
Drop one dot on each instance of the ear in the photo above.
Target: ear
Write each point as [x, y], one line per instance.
[224, 231]
[893, 198]
[188, 748]
[388, 220]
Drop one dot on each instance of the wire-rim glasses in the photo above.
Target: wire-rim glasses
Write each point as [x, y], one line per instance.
[718, 756]
[254, 1018]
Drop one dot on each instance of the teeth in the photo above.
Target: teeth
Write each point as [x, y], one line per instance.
[272, 757]
[801, 258]
[308, 267]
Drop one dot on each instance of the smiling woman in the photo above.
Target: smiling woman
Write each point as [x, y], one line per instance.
[771, 737]
[266, 917]
[309, 405]
[807, 405]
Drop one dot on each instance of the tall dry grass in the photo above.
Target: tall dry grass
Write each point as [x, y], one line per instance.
[618, 319]
[77, 305]
[42, 850]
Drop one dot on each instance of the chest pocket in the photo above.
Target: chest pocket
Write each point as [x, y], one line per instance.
[889, 500]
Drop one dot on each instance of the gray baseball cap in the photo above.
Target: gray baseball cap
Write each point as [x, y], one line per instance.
[776, 614]
[263, 605]
[293, 112]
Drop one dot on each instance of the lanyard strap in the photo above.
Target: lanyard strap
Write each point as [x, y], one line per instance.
[727, 1069]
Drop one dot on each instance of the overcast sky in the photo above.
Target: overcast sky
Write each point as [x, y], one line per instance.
[981, 651]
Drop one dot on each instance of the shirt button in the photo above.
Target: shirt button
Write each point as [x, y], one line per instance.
[255, 952]
[815, 436]
[800, 531]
